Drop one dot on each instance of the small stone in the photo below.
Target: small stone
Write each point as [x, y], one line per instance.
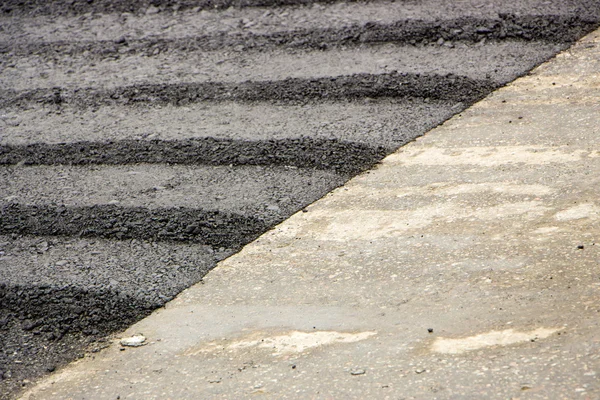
[430, 330]
[419, 370]
[581, 247]
[134, 341]
[61, 263]
[29, 325]
[358, 371]
[152, 10]
[42, 247]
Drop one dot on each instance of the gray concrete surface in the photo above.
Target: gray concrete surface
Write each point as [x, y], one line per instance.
[465, 265]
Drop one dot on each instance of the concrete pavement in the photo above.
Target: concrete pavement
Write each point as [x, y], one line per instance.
[465, 265]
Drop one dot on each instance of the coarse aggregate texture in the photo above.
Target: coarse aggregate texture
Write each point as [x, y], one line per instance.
[217, 206]
[244, 190]
[386, 122]
[152, 7]
[270, 120]
[464, 266]
[306, 153]
[60, 295]
[295, 90]
[12, 7]
[289, 22]
[562, 29]
[108, 221]
[500, 61]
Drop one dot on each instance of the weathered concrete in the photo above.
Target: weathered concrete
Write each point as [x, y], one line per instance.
[463, 266]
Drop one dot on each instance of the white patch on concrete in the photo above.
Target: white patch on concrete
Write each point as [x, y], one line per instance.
[293, 342]
[530, 208]
[546, 229]
[587, 210]
[502, 188]
[486, 156]
[298, 342]
[489, 339]
[439, 189]
[368, 224]
[343, 225]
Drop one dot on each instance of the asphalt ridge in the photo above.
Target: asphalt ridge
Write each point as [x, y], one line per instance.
[295, 90]
[41, 7]
[303, 152]
[465, 30]
[312, 153]
[246, 23]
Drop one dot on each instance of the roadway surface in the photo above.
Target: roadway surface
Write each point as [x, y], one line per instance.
[142, 143]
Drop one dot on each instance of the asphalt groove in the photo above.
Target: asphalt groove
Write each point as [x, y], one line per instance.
[128, 175]
[60, 294]
[34, 302]
[551, 28]
[343, 158]
[119, 277]
[274, 22]
[214, 228]
[291, 90]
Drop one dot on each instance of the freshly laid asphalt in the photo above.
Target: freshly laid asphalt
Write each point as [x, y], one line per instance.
[140, 147]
